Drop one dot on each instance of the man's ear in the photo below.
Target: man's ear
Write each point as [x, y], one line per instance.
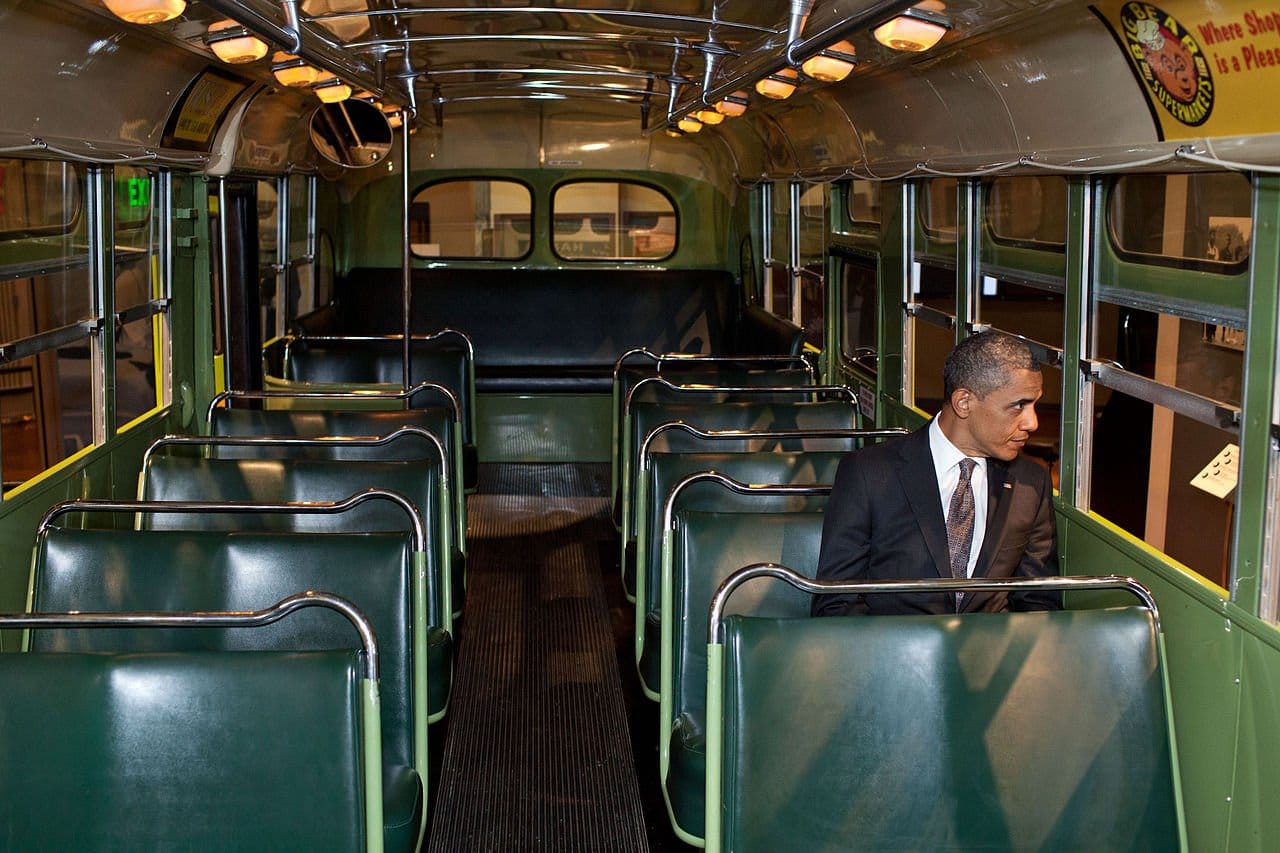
[961, 399]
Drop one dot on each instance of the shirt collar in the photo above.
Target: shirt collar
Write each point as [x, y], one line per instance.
[945, 454]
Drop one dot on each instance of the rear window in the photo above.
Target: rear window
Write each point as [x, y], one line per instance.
[612, 220]
[1028, 210]
[471, 219]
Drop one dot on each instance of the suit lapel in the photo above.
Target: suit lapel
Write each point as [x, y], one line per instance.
[920, 483]
[999, 496]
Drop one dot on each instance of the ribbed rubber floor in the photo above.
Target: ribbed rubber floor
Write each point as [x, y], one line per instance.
[538, 755]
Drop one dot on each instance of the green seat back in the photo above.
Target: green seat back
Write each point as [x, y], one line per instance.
[188, 478]
[1008, 731]
[713, 415]
[132, 570]
[709, 547]
[182, 751]
[444, 361]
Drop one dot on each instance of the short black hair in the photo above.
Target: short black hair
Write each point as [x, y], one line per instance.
[984, 362]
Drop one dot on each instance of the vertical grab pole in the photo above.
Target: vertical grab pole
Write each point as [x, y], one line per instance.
[406, 296]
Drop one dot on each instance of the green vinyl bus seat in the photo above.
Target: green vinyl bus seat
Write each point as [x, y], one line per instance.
[715, 415]
[208, 750]
[706, 548]
[137, 570]
[686, 369]
[312, 423]
[374, 435]
[988, 731]
[667, 485]
[703, 388]
[339, 363]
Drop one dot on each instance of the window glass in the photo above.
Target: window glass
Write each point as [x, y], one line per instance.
[299, 190]
[747, 265]
[46, 411]
[137, 270]
[1201, 220]
[929, 347]
[1031, 312]
[1029, 210]
[862, 202]
[612, 220]
[38, 197]
[1145, 456]
[938, 208]
[324, 270]
[936, 287]
[30, 306]
[779, 249]
[860, 296]
[813, 240]
[471, 219]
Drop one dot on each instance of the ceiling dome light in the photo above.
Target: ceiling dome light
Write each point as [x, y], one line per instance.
[674, 132]
[146, 11]
[780, 85]
[831, 65]
[733, 105]
[689, 124]
[709, 116]
[394, 118]
[915, 30]
[233, 44]
[292, 71]
[331, 90]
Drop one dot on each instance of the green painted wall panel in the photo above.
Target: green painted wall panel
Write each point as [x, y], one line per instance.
[1204, 659]
[1255, 819]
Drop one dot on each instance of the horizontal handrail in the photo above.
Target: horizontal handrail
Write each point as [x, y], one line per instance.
[232, 507]
[951, 585]
[782, 489]
[750, 390]
[370, 394]
[397, 337]
[699, 358]
[209, 619]
[286, 441]
[740, 434]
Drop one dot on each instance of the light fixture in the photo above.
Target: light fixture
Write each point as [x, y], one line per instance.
[915, 29]
[292, 71]
[709, 116]
[146, 11]
[689, 124]
[779, 85]
[674, 132]
[331, 90]
[733, 105]
[394, 118]
[366, 96]
[831, 65]
[233, 43]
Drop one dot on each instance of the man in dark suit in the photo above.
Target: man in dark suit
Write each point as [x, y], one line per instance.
[955, 498]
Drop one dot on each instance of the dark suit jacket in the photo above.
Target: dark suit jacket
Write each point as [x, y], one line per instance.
[884, 521]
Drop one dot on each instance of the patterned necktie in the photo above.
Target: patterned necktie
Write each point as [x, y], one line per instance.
[960, 525]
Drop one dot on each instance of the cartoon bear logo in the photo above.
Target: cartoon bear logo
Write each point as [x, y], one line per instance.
[1170, 62]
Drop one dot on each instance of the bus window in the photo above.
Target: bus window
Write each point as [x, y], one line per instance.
[40, 197]
[860, 298]
[1028, 210]
[862, 203]
[813, 239]
[1197, 221]
[612, 220]
[779, 274]
[471, 219]
[938, 208]
[269, 257]
[299, 259]
[932, 334]
[1146, 455]
[137, 292]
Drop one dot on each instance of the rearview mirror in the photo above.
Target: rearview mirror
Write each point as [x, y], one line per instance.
[351, 133]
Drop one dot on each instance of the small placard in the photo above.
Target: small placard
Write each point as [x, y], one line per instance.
[1218, 478]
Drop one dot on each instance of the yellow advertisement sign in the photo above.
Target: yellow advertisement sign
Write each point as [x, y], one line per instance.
[1207, 69]
[203, 107]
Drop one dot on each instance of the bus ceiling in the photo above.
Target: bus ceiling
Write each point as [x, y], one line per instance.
[689, 87]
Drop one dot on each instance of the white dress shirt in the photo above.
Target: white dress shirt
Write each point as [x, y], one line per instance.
[946, 467]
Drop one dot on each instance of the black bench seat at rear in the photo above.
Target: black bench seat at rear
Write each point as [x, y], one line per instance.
[559, 331]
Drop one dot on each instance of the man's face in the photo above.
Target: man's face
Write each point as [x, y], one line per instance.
[1000, 423]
